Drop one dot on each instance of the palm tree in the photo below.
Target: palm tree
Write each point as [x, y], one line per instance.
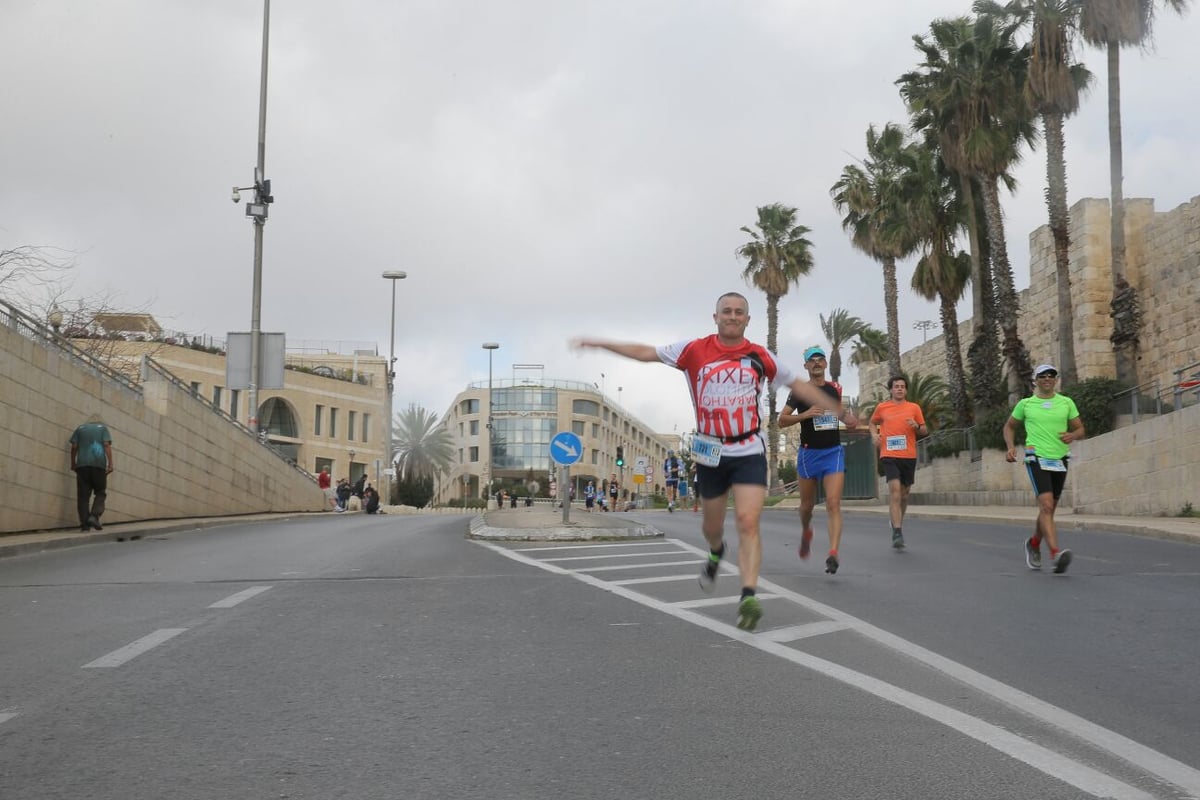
[840, 328]
[1053, 86]
[777, 257]
[867, 194]
[870, 347]
[1113, 24]
[937, 215]
[421, 446]
[971, 88]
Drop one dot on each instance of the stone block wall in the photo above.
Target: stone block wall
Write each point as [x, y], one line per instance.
[173, 456]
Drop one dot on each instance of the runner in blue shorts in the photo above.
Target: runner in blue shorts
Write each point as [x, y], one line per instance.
[821, 456]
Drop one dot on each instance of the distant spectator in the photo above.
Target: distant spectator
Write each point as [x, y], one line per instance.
[370, 500]
[344, 491]
[359, 485]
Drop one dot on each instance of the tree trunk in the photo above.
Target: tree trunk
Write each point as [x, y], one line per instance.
[984, 353]
[1020, 371]
[978, 284]
[955, 374]
[1060, 224]
[772, 417]
[893, 319]
[1125, 356]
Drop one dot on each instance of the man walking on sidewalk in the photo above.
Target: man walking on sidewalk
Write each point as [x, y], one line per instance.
[92, 462]
[1051, 423]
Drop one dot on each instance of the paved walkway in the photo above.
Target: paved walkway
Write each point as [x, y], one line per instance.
[543, 523]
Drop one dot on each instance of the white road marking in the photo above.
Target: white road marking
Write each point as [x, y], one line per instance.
[130, 651]
[5, 716]
[727, 600]
[794, 633]
[605, 545]
[655, 579]
[615, 555]
[641, 566]
[1054, 764]
[234, 599]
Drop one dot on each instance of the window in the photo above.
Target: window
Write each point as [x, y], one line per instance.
[366, 437]
[469, 406]
[526, 398]
[522, 443]
[587, 407]
[195, 388]
[350, 420]
[216, 397]
[333, 423]
[235, 395]
[595, 430]
[474, 451]
[578, 427]
[595, 456]
[474, 428]
[317, 420]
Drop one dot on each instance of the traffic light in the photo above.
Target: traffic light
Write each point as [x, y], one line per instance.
[620, 456]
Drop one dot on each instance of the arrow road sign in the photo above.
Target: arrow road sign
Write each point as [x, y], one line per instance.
[566, 448]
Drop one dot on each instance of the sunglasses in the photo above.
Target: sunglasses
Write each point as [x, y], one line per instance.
[1048, 375]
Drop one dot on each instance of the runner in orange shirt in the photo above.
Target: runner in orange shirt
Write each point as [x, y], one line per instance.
[895, 426]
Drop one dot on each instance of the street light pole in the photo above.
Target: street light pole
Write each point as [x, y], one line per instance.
[257, 211]
[490, 346]
[392, 275]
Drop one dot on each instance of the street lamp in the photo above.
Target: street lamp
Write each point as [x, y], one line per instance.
[490, 346]
[924, 325]
[392, 275]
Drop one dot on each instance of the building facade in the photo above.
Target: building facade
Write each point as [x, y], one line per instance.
[525, 416]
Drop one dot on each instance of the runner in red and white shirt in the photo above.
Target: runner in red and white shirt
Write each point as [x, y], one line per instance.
[725, 374]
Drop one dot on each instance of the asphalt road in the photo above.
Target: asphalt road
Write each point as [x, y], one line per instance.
[392, 658]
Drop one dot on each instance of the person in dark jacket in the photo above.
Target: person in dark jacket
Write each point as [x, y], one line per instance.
[371, 500]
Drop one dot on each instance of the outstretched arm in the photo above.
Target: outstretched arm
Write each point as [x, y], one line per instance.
[633, 350]
[815, 397]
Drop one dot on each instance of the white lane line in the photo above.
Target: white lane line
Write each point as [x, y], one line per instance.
[1051, 763]
[5, 716]
[615, 555]
[728, 600]
[638, 566]
[656, 579]
[793, 633]
[134, 649]
[605, 545]
[234, 599]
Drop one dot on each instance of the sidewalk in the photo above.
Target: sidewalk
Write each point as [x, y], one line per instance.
[542, 523]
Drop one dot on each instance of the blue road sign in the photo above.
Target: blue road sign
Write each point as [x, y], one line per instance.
[566, 448]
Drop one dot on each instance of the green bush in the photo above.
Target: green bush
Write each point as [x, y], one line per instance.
[989, 429]
[467, 502]
[1094, 399]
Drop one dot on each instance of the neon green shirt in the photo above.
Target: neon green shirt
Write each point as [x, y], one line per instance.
[1045, 418]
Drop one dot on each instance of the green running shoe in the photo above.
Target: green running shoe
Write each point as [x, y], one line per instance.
[749, 613]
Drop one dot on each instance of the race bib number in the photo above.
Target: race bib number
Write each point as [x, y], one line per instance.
[706, 450]
[826, 422]
[1052, 464]
[896, 443]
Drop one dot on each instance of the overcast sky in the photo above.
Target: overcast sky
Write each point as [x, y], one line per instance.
[540, 168]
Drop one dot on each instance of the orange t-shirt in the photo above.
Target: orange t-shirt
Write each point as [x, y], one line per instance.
[897, 439]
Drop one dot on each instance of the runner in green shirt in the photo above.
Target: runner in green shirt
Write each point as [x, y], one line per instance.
[1051, 423]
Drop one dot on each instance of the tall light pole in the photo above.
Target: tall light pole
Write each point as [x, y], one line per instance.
[490, 346]
[257, 211]
[392, 275]
[924, 325]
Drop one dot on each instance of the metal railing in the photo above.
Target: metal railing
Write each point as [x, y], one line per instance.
[946, 442]
[1145, 398]
[30, 328]
[1185, 387]
[149, 365]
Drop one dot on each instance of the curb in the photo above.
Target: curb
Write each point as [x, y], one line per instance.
[479, 529]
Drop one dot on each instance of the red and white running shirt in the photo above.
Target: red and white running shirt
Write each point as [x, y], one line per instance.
[726, 385]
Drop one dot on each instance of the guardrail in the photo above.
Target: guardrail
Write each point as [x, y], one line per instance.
[946, 442]
[30, 328]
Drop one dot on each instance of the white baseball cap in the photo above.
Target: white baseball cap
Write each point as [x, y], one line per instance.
[1045, 368]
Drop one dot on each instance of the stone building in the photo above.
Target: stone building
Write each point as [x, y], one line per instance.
[1163, 262]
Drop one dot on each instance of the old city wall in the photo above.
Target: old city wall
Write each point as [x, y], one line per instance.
[1152, 467]
[174, 457]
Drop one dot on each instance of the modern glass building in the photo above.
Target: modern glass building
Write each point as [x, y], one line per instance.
[525, 415]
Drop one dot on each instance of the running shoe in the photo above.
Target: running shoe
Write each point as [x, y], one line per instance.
[806, 543]
[749, 613]
[1033, 555]
[897, 540]
[708, 575]
[1062, 561]
[831, 564]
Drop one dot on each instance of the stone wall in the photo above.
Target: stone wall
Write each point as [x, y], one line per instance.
[174, 457]
[1163, 254]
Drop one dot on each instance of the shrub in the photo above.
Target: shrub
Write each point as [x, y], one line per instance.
[1094, 399]
[989, 429]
